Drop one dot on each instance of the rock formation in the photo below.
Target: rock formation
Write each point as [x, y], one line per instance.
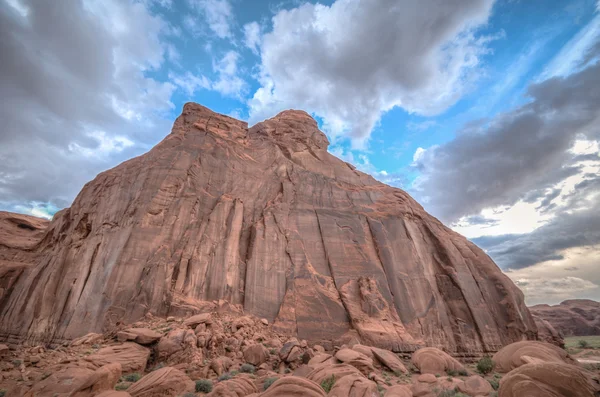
[265, 219]
[577, 317]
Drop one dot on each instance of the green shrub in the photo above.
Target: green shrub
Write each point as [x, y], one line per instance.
[204, 386]
[583, 344]
[121, 386]
[225, 376]
[494, 383]
[328, 383]
[134, 377]
[247, 368]
[268, 383]
[451, 372]
[485, 365]
[463, 372]
[2, 393]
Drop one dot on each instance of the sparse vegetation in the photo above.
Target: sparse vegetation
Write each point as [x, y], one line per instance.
[328, 383]
[225, 376]
[247, 368]
[121, 386]
[17, 362]
[463, 372]
[494, 383]
[134, 377]
[584, 344]
[451, 372]
[2, 393]
[592, 342]
[485, 365]
[268, 383]
[189, 394]
[204, 386]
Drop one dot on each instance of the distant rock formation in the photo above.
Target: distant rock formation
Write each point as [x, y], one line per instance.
[267, 220]
[577, 317]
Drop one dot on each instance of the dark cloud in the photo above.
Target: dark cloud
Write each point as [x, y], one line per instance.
[75, 98]
[516, 155]
[577, 225]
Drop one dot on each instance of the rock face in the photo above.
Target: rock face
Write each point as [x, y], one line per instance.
[264, 218]
[577, 317]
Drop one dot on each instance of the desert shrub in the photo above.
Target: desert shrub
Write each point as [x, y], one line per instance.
[225, 376]
[583, 344]
[2, 393]
[451, 372]
[204, 386]
[494, 383]
[247, 368]
[485, 365]
[189, 394]
[268, 383]
[121, 386]
[16, 362]
[463, 372]
[328, 383]
[134, 377]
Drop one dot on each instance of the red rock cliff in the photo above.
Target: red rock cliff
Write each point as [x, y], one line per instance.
[265, 218]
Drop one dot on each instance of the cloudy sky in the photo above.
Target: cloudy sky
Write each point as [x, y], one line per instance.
[487, 112]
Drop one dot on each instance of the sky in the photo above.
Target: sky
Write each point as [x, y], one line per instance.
[487, 112]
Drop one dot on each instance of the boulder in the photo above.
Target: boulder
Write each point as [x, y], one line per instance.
[519, 353]
[548, 379]
[338, 371]
[398, 391]
[144, 336]
[354, 385]
[104, 378]
[240, 386]
[366, 350]
[113, 393]
[293, 386]
[63, 380]
[256, 354]
[389, 359]
[221, 365]
[322, 359]
[358, 360]
[164, 382]
[131, 356]
[179, 345]
[193, 321]
[430, 360]
[475, 385]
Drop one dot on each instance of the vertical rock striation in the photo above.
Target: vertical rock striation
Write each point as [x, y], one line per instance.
[267, 219]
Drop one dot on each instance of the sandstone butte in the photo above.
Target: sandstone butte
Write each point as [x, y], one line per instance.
[267, 220]
[575, 317]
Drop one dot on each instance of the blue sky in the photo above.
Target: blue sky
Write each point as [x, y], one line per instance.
[485, 111]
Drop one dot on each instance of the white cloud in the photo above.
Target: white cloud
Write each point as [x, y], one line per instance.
[189, 82]
[252, 36]
[218, 15]
[227, 82]
[354, 60]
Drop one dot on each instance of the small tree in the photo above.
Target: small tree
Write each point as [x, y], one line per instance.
[268, 383]
[583, 344]
[247, 368]
[485, 365]
[328, 383]
[204, 386]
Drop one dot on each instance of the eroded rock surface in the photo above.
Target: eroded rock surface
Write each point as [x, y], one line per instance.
[262, 218]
